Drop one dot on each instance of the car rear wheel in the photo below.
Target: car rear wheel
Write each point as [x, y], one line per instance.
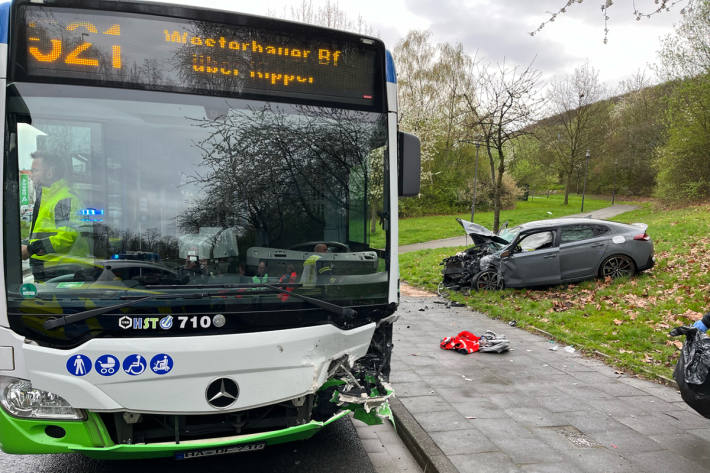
[617, 266]
[487, 280]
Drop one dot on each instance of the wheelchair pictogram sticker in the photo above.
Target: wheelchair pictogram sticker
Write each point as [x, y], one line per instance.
[107, 365]
[135, 364]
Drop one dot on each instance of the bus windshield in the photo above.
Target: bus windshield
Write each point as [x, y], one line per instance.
[118, 191]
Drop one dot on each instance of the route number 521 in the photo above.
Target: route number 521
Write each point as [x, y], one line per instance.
[76, 56]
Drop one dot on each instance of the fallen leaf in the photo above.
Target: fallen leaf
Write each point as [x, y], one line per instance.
[618, 322]
[692, 315]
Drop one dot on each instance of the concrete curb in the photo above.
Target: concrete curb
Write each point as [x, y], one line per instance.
[420, 444]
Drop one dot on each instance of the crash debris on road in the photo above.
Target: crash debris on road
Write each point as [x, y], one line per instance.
[466, 343]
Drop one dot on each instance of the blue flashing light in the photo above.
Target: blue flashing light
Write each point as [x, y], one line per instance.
[115, 256]
[4, 21]
[91, 211]
[391, 72]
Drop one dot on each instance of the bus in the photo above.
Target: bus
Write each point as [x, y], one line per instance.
[199, 229]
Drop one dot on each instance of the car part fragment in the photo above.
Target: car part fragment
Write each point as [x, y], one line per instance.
[362, 388]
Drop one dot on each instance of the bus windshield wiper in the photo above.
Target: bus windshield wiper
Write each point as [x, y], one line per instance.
[87, 314]
[346, 312]
[330, 307]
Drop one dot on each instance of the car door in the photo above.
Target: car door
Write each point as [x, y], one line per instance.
[534, 260]
[581, 248]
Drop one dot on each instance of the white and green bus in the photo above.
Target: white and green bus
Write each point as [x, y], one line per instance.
[188, 205]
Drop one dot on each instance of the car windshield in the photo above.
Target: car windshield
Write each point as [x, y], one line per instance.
[120, 190]
[509, 234]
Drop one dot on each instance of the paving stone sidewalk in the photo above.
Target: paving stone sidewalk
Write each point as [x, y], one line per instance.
[533, 409]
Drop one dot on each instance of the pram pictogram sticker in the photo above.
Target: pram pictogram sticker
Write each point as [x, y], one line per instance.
[107, 365]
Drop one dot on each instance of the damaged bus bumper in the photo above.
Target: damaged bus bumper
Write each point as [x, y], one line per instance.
[91, 438]
[289, 385]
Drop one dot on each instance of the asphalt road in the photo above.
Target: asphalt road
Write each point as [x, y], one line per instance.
[335, 449]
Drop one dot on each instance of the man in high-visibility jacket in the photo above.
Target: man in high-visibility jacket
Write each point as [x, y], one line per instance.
[314, 267]
[55, 244]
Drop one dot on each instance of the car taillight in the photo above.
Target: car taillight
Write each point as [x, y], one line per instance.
[643, 236]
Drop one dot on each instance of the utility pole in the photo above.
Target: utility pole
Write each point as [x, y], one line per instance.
[613, 193]
[584, 187]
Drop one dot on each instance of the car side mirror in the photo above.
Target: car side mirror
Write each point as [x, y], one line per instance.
[408, 163]
[505, 254]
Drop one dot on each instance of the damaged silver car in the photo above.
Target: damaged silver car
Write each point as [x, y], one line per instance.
[550, 252]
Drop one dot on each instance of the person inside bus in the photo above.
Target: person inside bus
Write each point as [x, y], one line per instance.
[289, 277]
[55, 246]
[260, 277]
[315, 266]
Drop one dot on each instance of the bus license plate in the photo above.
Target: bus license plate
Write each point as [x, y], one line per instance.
[210, 452]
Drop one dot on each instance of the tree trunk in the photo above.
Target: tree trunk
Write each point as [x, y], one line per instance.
[498, 191]
[373, 219]
[567, 187]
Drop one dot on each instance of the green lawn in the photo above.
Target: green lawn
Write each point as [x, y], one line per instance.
[626, 320]
[419, 229]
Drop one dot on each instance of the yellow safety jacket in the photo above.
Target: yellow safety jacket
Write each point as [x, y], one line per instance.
[55, 235]
[312, 268]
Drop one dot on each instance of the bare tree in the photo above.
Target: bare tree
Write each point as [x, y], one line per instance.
[505, 104]
[686, 53]
[329, 15]
[638, 13]
[417, 90]
[573, 100]
[453, 72]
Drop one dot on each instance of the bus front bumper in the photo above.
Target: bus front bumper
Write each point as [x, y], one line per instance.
[91, 438]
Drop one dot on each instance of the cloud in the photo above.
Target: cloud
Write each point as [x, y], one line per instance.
[495, 31]
[500, 29]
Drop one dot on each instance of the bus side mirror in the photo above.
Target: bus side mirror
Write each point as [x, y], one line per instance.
[409, 164]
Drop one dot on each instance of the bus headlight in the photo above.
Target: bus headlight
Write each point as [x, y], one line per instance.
[20, 399]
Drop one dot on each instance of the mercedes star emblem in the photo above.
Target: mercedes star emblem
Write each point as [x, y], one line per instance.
[222, 392]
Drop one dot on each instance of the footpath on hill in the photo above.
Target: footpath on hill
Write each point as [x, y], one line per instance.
[463, 240]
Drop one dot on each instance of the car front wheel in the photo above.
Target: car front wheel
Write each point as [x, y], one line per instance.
[487, 280]
[617, 266]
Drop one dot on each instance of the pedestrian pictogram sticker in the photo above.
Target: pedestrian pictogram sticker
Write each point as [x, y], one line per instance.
[135, 364]
[161, 364]
[107, 365]
[78, 365]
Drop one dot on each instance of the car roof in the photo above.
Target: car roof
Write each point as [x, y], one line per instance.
[558, 222]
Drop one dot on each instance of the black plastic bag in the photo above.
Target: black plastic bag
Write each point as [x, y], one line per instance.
[691, 371]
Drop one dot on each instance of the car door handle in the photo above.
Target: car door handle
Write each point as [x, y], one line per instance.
[597, 245]
[550, 256]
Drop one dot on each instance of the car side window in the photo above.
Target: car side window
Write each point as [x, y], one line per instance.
[571, 233]
[536, 241]
[600, 230]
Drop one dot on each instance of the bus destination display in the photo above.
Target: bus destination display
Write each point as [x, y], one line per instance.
[196, 56]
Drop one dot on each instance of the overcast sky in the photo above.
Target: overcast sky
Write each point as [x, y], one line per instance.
[499, 29]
